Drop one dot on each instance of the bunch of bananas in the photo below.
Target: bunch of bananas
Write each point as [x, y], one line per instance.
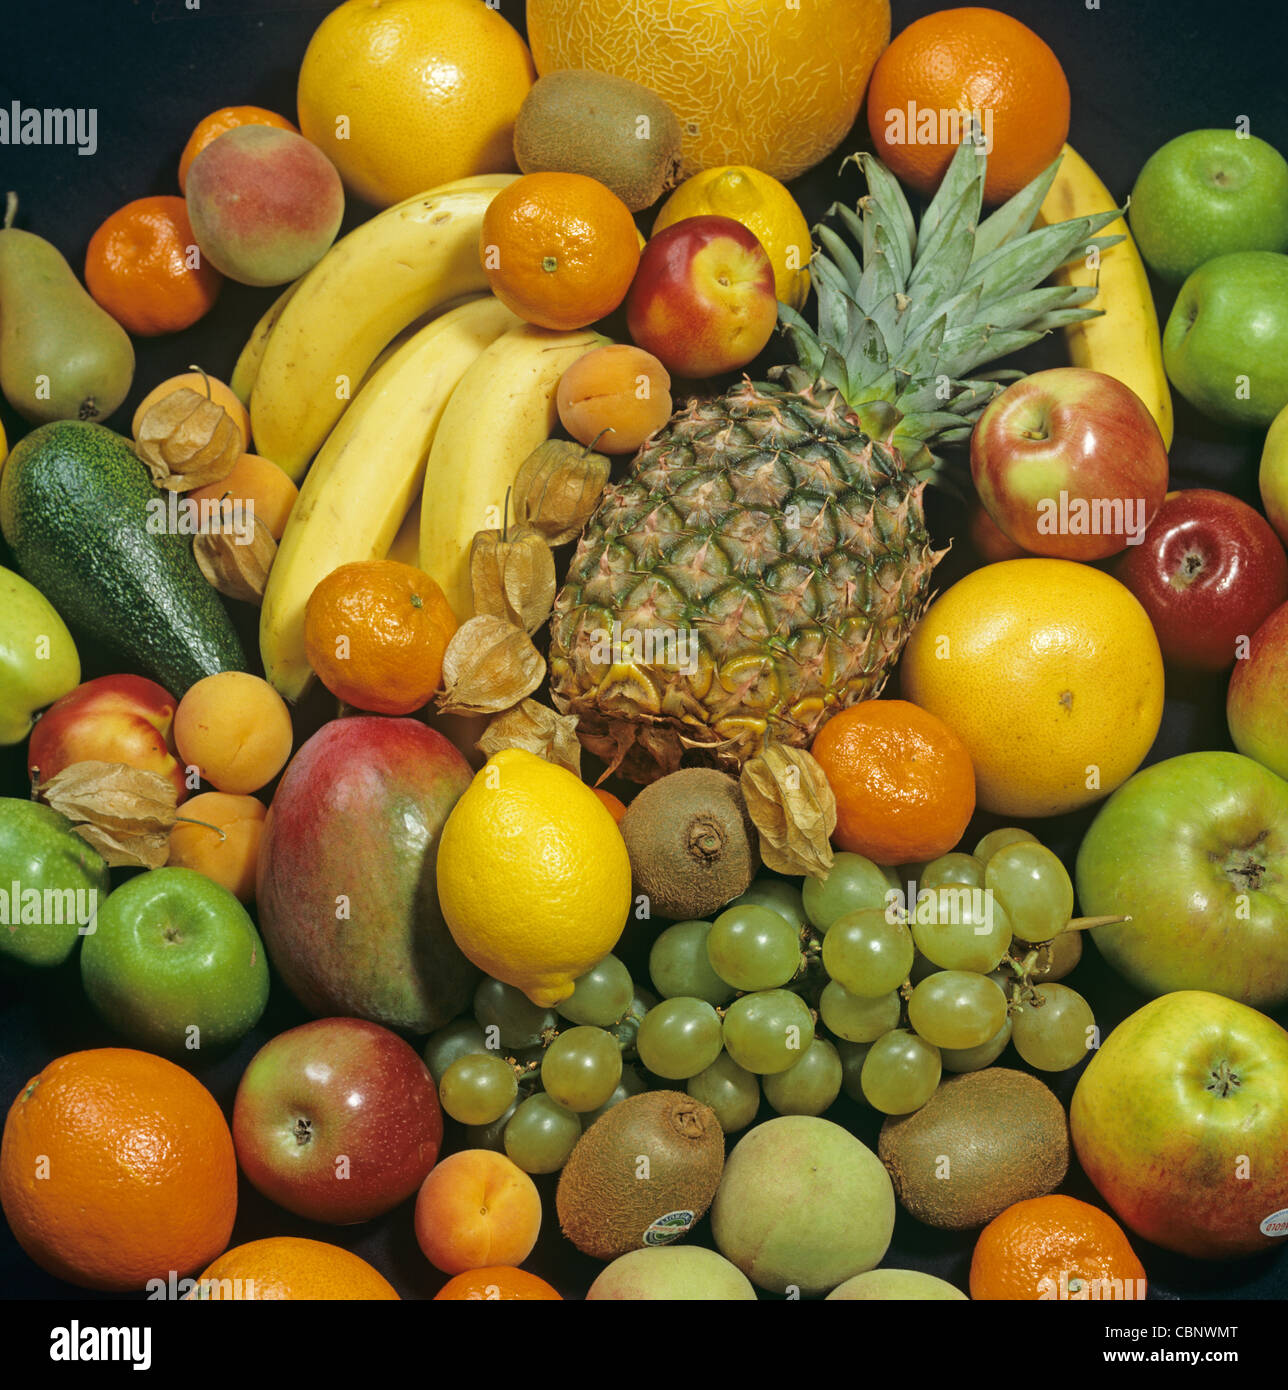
[450, 393]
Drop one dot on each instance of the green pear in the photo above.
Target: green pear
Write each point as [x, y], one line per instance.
[62, 357]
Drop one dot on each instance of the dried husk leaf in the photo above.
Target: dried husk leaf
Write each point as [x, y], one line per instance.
[124, 812]
[487, 575]
[558, 487]
[537, 729]
[188, 441]
[792, 806]
[237, 569]
[512, 576]
[488, 666]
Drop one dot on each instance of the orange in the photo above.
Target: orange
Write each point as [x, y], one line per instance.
[1054, 1248]
[560, 250]
[968, 61]
[403, 95]
[903, 781]
[117, 1167]
[144, 267]
[290, 1267]
[477, 1209]
[498, 1283]
[217, 123]
[1049, 672]
[616, 806]
[760, 82]
[375, 632]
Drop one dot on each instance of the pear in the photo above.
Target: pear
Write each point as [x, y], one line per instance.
[62, 357]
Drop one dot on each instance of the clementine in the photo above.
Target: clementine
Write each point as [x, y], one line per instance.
[497, 1283]
[217, 123]
[290, 1267]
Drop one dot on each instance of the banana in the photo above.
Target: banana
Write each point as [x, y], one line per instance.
[1124, 341]
[405, 547]
[405, 262]
[247, 368]
[503, 408]
[367, 476]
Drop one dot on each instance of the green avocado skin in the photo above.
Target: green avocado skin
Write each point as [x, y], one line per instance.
[39, 850]
[74, 510]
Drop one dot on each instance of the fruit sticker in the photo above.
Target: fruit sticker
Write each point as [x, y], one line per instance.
[670, 1227]
[1276, 1224]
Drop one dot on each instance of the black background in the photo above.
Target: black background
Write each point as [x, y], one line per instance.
[1141, 71]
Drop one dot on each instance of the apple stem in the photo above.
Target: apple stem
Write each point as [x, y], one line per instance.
[192, 820]
[1087, 923]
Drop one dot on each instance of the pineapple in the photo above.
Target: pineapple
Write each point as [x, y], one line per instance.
[763, 564]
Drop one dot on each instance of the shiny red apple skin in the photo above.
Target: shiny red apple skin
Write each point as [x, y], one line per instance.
[1209, 571]
[111, 719]
[1074, 431]
[702, 300]
[1255, 707]
[333, 1096]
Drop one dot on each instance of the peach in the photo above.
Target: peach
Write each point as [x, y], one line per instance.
[261, 485]
[235, 730]
[617, 395]
[475, 1209]
[204, 385]
[265, 204]
[227, 854]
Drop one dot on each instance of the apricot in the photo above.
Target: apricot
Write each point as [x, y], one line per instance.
[265, 204]
[235, 729]
[218, 391]
[228, 854]
[475, 1209]
[260, 485]
[617, 394]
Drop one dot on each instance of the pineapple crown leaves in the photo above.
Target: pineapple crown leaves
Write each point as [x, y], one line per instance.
[908, 315]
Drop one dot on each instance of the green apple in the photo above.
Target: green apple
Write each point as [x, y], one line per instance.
[38, 660]
[175, 963]
[1195, 850]
[1205, 194]
[52, 884]
[1225, 346]
[1273, 477]
[1179, 1121]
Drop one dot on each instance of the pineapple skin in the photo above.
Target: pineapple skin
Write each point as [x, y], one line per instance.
[759, 570]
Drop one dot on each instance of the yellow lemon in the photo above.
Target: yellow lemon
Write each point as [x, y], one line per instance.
[533, 876]
[1049, 672]
[403, 95]
[763, 206]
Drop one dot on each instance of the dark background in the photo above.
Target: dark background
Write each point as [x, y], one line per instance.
[1141, 71]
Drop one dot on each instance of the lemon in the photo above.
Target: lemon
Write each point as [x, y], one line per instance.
[533, 876]
[763, 206]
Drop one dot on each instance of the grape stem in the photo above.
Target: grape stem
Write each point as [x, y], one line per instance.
[1088, 923]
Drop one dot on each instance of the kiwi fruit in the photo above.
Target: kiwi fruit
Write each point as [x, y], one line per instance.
[692, 845]
[641, 1175]
[607, 127]
[984, 1140]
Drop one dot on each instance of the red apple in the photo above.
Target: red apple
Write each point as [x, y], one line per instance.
[1070, 463]
[1209, 571]
[337, 1120]
[703, 300]
[113, 719]
[1255, 707]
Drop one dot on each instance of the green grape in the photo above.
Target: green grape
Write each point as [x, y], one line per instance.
[753, 948]
[1034, 887]
[460, 1038]
[955, 1008]
[960, 927]
[977, 1058]
[541, 1134]
[952, 868]
[678, 964]
[998, 839]
[518, 1021]
[581, 1068]
[900, 1072]
[491, 1136]
[852, 884]
[730, 1090]
[809, 1087]
[1056, 1033]
[777, 895]
[625, 1029]
[631, 1084]
[768, 1031]
[600, 996]
[478, 1089]
[867, 952]
[856, 1019]
[852, 1056]
[679, 1038]
[1061, 954]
